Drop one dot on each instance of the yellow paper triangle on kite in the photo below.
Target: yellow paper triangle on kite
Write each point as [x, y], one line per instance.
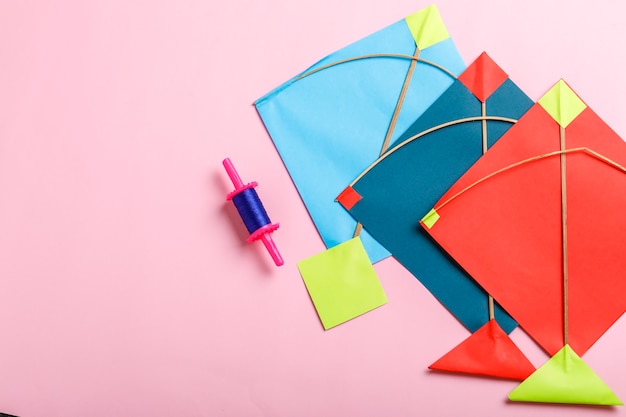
[565, 378]
[427, 27]
[562, 103]
[431, 218]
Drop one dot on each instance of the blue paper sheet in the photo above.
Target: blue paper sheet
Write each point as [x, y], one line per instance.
[331, 124]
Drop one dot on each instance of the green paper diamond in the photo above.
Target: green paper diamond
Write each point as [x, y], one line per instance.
[427, 27]
[562, 103]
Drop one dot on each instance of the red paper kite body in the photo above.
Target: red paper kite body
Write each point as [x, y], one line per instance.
[539, 222]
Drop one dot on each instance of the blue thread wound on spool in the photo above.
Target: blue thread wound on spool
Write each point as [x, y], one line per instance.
[251, 210]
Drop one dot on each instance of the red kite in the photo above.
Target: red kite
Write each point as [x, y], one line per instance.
[538, 222]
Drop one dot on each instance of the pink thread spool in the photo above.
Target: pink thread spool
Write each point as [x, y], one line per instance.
[252, 212]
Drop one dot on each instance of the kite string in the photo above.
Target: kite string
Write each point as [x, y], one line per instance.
[394, 117]
[251, 210]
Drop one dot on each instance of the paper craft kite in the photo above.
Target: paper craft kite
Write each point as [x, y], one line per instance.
[538, 222]
[331, 121]
[403, 184]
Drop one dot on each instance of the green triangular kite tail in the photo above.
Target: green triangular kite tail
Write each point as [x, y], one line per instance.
[565, 378]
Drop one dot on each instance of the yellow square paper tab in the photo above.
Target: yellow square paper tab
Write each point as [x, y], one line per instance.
[342, 283]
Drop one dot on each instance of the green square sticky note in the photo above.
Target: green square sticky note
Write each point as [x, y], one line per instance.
[342, 283]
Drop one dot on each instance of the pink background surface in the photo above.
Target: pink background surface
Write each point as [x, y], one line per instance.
[126, 286]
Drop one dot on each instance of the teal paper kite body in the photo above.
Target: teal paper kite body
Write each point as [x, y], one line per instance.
[397, 190]
[331, 121]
